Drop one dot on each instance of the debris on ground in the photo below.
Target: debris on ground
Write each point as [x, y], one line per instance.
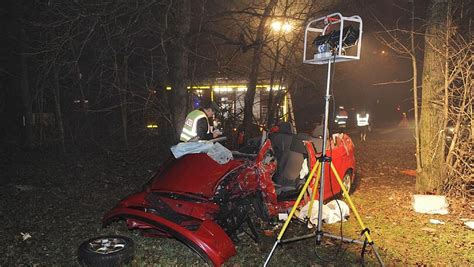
[430, 204]
[409, 172]
[468, 223]
[428, 229]
[435, 221]
[24, 187]
[25, 236]
[334, 211]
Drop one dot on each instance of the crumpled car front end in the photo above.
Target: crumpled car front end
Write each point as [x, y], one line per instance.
[156, 215]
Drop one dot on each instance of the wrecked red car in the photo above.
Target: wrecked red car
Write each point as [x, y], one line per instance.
[204, 204]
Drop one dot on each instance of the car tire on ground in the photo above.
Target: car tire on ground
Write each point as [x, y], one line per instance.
[106, 251]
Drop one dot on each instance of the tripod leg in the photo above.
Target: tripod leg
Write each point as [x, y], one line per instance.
[295, 206]
[351, 204]
[376, 251]
[298, 200]
[271, 253]
[365, 230]
[313, 194]
[362, 253]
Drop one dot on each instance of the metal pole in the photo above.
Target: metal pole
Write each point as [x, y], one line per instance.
[323, 156]
[271, 253]
[376, 251]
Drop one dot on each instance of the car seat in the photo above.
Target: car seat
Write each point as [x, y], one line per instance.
[290, 153]
[281, 143]
[317, 138]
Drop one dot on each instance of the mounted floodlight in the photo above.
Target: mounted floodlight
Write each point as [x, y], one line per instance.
[331, 31]
[350, 37]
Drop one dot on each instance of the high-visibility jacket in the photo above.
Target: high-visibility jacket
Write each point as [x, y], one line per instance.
[341, 118]
[362, 120]
[190, 125]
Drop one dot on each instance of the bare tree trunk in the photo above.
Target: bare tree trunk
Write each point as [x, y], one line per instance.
[123, 100]
[57, 106]
[253, 76]
[432, 109]
[121, 83]
[415, 88]
[270, 109]
[27, 116]
[40, 102]
[179, 66]
[446, 75]
[415, 105]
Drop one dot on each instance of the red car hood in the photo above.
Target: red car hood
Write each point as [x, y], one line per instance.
[193, 173]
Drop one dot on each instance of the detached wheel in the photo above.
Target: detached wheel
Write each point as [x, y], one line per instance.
[106, 251]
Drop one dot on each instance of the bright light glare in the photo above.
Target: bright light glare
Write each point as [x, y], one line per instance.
[276, 25]
[286, 27]
[279, 26]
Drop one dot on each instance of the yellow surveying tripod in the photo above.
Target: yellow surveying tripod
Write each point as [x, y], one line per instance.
[365, 231]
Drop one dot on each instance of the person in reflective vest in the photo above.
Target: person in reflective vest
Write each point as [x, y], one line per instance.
[197, 126]
[404, 121]
[363, 124]
[341, 118]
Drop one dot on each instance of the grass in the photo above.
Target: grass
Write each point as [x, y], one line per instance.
[66, 200]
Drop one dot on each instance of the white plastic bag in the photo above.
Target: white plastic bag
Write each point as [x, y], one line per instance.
[314, 212]
[220, 153]
[339, 211]
[182, 149]
[215, 151]
[331, 212]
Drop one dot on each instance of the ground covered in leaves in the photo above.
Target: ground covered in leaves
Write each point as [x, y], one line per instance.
[50, 203]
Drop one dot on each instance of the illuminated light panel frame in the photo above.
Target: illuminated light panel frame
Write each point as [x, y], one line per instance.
[321, 27]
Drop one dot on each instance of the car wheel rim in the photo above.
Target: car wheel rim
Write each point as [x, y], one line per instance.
[107, 245]
[347, 182]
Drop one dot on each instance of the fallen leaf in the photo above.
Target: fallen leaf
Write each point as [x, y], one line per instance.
[25, 236]
[428, 229]
[409, 172]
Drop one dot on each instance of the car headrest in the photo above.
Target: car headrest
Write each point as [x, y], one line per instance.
[297, 144]
[318, 131]
[285, 127]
